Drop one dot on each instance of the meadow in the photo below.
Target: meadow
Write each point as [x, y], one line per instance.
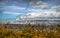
[29, 31]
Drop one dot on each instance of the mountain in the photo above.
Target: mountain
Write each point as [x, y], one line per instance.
[34, 21]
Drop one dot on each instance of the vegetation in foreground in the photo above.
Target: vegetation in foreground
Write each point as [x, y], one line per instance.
[29, 32]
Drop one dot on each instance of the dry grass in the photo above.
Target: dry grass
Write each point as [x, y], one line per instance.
[28, 32]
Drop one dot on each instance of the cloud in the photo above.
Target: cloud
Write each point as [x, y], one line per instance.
[30, 15]
[44, 5]
[13, 9]
[6, 12]
[39, 15]
[34, 10]
[40, 4]
[58, 8]
[40, 9]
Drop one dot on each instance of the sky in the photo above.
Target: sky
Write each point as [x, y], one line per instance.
[11, 10]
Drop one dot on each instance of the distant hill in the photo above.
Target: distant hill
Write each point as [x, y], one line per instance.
[35, 21]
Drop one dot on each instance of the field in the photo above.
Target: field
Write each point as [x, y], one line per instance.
[29, 31]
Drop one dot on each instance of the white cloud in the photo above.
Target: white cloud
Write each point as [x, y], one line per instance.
[50, 11]
[40, 4]
[38, 14]
[58, 8]
[14, 9]
[30, 15]
[43, 5]
[6, 12]
[36, 10]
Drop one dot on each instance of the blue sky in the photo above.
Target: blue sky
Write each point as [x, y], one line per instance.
[15, 9]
